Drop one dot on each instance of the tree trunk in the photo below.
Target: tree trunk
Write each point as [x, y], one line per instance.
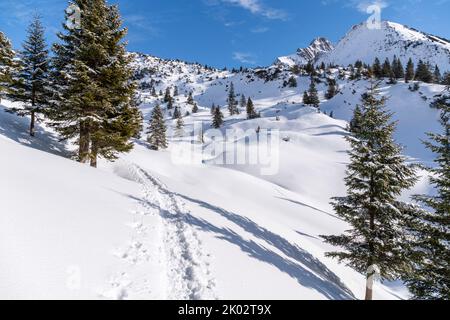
[94, 154]
[83, 151]
[32, 123]
[369, 288]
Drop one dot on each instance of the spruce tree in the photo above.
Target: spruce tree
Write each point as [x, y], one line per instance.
[306, 98]
[423, 72]
[176, 113]
[409, 72]
[213, 109]
[355, 123]
[179, 127]
[251, 112]
[376, 177]
[243, 102]
[32, 89]
[190, 99]
[430, 277]
[217, 118]
[376, 69]
[446, 79]
[437, 77]
[332, 89]
[195, 108]
[232, 103]
[387, 69]
[93, 97]
[167, 95]
[175, 91]
[313, 96]
[8, 67]
[398, 69]
[157, 130]
[292, 82]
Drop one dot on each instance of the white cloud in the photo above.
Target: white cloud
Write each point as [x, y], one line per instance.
[256, 7]
[244, 57]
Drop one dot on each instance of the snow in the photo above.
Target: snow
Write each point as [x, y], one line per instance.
[146, 227]
[365, 44]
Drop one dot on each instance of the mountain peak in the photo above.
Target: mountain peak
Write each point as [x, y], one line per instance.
[317, 47]
[391, 39]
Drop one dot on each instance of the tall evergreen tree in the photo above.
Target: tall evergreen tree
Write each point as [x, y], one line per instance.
[217, 121]
[409, 72]
[306, 98]
[313, 95]
[430, 277]
[195, 108]
[355, 123]
[176, 113]
[376, 177]
[398, 69]
[387, 69]
[243, 102]
[437, 77]
[93, 96]
[179, 126]
[157, 130]
[190, 99]
[446, 79]
[232, 102]
[167, 95]
[423, 72]
[175, 91]
[251, 112]
[8, 67]
[332, 89]
[376, 69]
[33, 87]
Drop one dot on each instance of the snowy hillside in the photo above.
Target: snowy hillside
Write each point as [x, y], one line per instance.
[365, 44]
[150, 226]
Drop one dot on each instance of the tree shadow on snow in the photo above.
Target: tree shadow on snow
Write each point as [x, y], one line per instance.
[17, 129]
[301, 265]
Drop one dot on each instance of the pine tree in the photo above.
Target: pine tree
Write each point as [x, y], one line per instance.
[157, 130]
[437, 77]
[313, 96]
[167, 96]
[179, 127]
[251, 112]
[306, 98]
[397, 68]
[446, 79]
[430, 277]
[213, 109]
[176, 113]
[332, 89]
[243, 102]
[387, 69]
[376, 69]
[8, 67]
[355, 123]
[376, 177]
[154, 92]
[217, 118]
[190, 99]
[232, 103]
[93, 96]
[175, 91]
[195, 108]
[423, 72]
[409, 72]
[32, 89]
[292, 82]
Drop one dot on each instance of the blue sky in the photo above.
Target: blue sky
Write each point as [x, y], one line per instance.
[232, 32]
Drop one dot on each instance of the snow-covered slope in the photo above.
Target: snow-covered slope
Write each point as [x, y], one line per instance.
[316, 49]
[365, 44]
[148, 227]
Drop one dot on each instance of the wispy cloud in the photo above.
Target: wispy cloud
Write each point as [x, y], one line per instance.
[256, 7]
[244, 57]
